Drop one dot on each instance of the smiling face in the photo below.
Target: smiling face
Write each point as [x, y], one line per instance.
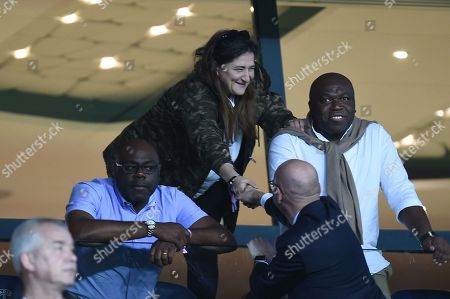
[138, 174]
[54, 262]
[236, 75]
[332, 105]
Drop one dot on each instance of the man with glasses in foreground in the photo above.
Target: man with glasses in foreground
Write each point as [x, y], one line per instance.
[319, 255]
[133, 214]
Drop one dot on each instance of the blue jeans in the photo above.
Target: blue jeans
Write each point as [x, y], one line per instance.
[163, 290]
[167, 290]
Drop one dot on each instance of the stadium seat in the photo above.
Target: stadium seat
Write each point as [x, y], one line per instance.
[421, 294]
[10, 287]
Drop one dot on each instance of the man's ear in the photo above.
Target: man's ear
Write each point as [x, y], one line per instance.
[114, 168]
[27, 260]
[278, 199]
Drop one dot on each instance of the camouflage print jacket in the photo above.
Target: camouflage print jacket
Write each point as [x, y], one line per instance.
[187, 130]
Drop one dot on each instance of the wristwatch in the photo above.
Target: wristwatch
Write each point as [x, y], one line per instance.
[151, 226]
[429, 234]
[261, 258]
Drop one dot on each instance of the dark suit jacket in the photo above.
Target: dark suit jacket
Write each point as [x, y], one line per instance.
[317, 257]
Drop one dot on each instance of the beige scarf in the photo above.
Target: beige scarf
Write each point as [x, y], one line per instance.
[340, 184]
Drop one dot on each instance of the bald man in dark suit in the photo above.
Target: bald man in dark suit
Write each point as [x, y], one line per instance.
[318, 256]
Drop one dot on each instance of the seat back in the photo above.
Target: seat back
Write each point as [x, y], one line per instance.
[165, 290]
[421, 294]
[10, 287]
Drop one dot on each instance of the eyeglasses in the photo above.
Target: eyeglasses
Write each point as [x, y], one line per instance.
[342, 99]
[273, 186]
[132, 168]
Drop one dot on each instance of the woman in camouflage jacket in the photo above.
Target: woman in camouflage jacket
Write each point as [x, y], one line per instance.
[195, 123]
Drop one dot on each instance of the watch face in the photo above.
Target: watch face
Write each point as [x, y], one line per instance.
[150, 223]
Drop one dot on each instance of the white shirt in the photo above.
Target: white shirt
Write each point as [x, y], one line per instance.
[374, 163]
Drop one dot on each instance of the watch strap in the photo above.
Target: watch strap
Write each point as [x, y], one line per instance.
[151, 226]
[428, 234]
[260, 259]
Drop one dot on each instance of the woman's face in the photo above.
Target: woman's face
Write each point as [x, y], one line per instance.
[237, 74]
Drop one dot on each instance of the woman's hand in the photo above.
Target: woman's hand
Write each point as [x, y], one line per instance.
[298, 124]
[240, 184]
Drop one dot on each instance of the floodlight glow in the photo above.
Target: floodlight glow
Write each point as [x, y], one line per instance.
[400, 54]
[107, 63]
[21, 53]
[158, 30]
[70, 19]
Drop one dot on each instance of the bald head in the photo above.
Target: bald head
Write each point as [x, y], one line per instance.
[298, 179]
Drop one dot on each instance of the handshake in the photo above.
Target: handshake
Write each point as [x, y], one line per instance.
[247, 192]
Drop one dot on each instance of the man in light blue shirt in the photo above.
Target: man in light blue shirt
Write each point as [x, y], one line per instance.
[144, 224]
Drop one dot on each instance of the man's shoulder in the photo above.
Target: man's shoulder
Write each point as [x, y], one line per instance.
[375, 127]
[90, 196]
[164, 189]
[98, 182]
[376, 134]
[284, 138]
[169, 193]
[97, 188]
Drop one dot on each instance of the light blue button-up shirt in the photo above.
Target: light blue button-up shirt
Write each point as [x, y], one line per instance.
[124, 269]
[374, 163]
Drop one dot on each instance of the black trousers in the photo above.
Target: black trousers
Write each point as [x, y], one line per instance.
[203, 273]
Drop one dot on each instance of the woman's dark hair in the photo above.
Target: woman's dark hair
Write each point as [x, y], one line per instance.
[223, 47]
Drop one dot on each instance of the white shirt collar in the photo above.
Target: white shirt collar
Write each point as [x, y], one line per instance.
[295, 218]
[321, 137]
[232, 101]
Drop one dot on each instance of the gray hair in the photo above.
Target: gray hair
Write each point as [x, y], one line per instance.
[27, 237]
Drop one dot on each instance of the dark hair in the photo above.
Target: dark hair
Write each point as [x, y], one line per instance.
[223, 47]
[328, 78]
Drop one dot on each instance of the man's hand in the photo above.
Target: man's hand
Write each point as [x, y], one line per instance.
[162, 253]
[298, 124]
[250, 197]
[440, 248]
[261, 246]
[172, 232]
[240, 184]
